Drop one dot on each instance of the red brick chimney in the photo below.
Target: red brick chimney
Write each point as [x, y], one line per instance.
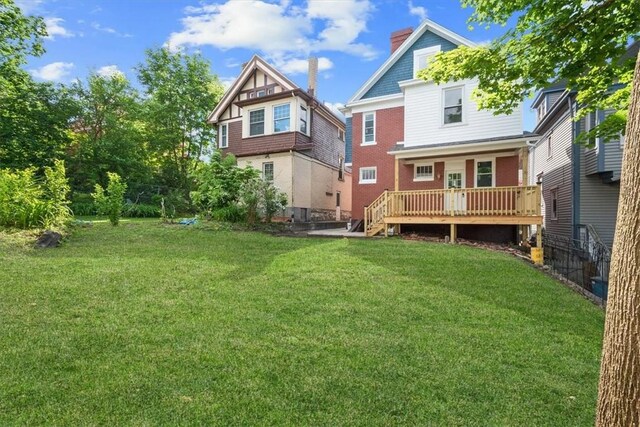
[398, 37]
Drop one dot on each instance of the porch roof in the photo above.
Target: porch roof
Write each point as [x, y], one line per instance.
[463, 147]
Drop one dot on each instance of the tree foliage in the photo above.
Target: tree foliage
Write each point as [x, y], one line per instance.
[108, 133]
[180, 92]
[580, 42]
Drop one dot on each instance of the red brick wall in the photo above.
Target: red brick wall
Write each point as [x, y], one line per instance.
[389, 131]
[507, 171]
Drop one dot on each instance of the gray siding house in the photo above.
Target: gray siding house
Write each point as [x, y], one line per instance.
[580, 185]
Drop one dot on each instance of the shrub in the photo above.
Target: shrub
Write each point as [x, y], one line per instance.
[141, 210]
[111, 201]
[82, 204]
[27, 201]
[231, 213]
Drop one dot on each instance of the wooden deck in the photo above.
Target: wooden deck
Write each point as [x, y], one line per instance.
[488, 206]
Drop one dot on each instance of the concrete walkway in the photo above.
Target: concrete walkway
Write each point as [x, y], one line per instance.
[336, 232]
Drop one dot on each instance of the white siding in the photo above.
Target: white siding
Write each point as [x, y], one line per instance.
[424, 117]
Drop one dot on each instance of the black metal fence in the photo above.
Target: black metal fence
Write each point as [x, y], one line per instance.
[583, 261]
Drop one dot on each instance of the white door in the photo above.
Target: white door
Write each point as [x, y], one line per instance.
[455, 179]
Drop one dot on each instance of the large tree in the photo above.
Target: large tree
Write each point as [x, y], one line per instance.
[581, 42]
[108, 133]
[33, 116]
[181, 91]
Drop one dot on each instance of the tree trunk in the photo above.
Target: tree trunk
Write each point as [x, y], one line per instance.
[619, 389]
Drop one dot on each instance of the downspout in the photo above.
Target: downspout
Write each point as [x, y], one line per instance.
[292, 189]
[575, 162]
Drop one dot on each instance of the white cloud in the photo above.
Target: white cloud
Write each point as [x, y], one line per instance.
[109, 71]
[299, 65]
[283, 32]
[418, 11]
[109, 30]
[55, 28]
[28, 6]
[344, 21]
[55, 71]
[335, 108]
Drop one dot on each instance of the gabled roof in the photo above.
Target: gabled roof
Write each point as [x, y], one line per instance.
[427, 25]
[256, 63]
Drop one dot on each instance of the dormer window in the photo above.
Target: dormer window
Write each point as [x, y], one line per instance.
[422, 57]
[542, 109]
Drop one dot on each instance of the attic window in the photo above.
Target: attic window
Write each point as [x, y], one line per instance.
[422, 57]
[261, 93]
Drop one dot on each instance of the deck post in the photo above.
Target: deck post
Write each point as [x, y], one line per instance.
[452, 236]
[397, 175]
[539, 236]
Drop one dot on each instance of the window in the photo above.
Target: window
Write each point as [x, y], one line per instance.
[267, 171]
[453, 105]
[484, 173]
[542, 109]
[423, 172]
[369, 129]
[303, 119]
[337, 199]
[549, 148]
[256, 122]
[341, 169]
[281, 120]
[340, 134]
[421, 58]
[368, 175]
[224, 141]
[260, 93]
[554, 203]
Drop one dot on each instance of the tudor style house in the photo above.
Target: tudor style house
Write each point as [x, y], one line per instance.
[271, 124]
[423, 153]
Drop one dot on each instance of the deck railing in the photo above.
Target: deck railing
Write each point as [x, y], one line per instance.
[490, 201]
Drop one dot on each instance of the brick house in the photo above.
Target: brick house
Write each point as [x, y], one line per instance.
[271, 124]
[423, 154]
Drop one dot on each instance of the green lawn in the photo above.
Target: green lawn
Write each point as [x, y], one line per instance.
[146, 324]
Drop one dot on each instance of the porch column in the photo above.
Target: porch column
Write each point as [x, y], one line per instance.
[453, 236]
[524, 166]
[397, 175]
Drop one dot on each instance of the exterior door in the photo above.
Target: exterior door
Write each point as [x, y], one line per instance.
[455, 179]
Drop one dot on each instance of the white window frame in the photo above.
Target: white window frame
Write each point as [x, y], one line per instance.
[273, 112]
[368, 180]
[416, 178]
[305, 120]
[462, 107]
[364, 117]
[224, 136]
[264, 121]
[493, 171]
[340, 168]
[549, 147]
[264, 175]
[421, 53]
[591, 121]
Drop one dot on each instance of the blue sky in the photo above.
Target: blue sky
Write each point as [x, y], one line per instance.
[350, 37]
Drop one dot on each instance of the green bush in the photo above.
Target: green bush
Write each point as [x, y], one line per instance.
[111, 201]
[231, 213]
[141, 210]
[27, 201]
